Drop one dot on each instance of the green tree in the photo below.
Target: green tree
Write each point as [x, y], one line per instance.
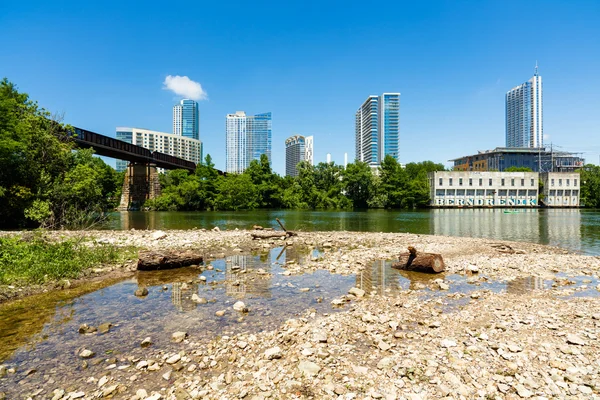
[357, 181]
[590, 186]
[518, 169]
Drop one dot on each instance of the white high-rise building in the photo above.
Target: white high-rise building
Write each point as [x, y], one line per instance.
[524, 123]
[309, 143]
[236, 154]
[377, 128]
[177, 119]
[247, 138]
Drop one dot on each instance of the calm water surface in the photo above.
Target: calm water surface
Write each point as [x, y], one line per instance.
[573, 229]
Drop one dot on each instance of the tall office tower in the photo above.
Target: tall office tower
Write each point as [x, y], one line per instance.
[186, 119]
[524, 124]
[377, 128]
[295, 151]
[247, 138]
[258, 129]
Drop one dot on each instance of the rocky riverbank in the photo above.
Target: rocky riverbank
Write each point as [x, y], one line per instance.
[425, 342]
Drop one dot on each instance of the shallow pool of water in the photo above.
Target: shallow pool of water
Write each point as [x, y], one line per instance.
[43, 334]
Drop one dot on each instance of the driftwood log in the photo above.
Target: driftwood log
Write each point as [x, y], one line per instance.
[421, 262]
[153, 260]
[264, 234]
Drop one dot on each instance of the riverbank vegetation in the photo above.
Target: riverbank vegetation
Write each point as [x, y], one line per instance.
[323, 186]
[35, 260]
[44, 181]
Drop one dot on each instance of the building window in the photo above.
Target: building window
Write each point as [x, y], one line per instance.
[490, 183]
[480, 182]
[568, 183]
[441, 180]
[459, 181]
[470, 181]
[512, 182]
[552, 182]
[522, 182]
[574, 182]
[560, 182]
[449, 181]
[502, 182]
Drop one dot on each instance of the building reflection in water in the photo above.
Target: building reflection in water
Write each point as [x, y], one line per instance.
[545, 226]
[380, 278]
[245, 281]
[181, 296]
[525, 285]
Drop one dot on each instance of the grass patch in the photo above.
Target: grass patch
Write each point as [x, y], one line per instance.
[36, 260]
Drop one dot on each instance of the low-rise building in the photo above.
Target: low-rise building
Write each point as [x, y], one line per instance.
[536, 159]
[503, 189]
[560, 189]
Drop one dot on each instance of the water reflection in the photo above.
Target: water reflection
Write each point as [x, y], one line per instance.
[525, 285]
[571, 228]
[181, 296]
[243, 278]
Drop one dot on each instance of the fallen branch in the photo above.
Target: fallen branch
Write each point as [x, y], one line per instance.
[422, 262]
[152, 260]
[270, 234]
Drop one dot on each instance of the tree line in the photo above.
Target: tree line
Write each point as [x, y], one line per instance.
[324, 186]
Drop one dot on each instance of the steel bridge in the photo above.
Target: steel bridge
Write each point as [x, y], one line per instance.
[114, 148]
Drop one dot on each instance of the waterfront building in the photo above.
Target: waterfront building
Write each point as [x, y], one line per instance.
[538, 160]
[247, 137]
[483, 189]
[377, 128]
[186, 119]
[524, 123]
[502, 189]
[561, 189]
[297, 148]
[167, 143]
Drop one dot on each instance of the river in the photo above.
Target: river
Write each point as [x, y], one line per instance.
[573, 229]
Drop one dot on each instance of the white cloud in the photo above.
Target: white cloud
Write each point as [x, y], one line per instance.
[185, 87]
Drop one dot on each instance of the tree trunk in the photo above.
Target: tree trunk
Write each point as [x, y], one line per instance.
[152, 260]
[421, 262]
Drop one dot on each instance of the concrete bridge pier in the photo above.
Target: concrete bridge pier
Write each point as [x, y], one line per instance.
[140, 184]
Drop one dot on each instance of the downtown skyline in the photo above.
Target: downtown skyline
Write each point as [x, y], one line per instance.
[452, 64]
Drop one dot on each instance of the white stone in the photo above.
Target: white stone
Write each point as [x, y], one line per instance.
[273, 353]
[173, 359]
[357, 292]
[240, 306]
[447, 343]
[158, 235]
[178, 337]
[309, 368]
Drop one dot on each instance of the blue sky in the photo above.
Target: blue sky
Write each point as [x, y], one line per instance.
[312, 64]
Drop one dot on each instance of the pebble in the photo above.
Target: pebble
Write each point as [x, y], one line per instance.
[240, 306]
[309, 368]
[85, 353]
[273, 353]
[179, 337]
[574, 339]
[146, 342]
[141, 292]
[357, 292]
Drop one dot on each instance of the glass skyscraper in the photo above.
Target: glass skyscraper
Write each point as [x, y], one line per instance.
[377, 128]
[247, 138]
[524, 124]
[186, 119]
